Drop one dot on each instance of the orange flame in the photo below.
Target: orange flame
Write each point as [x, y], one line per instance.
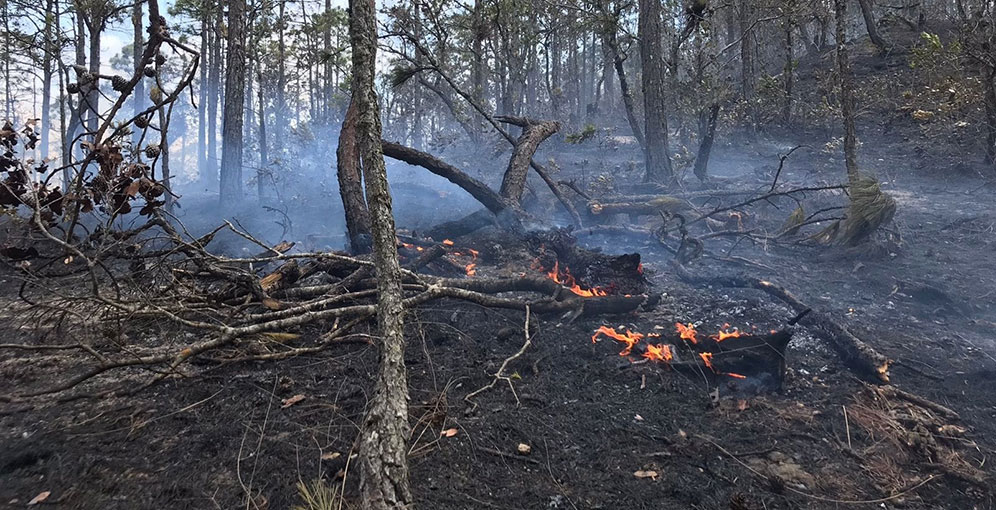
[471, 269]
[565, 278]
[735, 376]
[686, 332]
[659, 352]
[707, 359]
[630, 338]
[724, 334]
[639, 268]
[447, 242]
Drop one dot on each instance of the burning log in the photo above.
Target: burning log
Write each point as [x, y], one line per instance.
[853, 351]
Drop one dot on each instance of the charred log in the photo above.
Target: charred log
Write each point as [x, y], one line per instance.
[855, 353]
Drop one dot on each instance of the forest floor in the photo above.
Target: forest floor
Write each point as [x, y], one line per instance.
[602, 432]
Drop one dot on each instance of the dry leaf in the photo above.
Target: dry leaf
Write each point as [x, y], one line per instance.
[638, 418]
[291, 401]
[331, 456]
[524, 449]
[651, 474]
[42, 496]
[742, 405]
[448, 432]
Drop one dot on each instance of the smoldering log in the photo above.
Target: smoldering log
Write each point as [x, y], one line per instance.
[855, 353]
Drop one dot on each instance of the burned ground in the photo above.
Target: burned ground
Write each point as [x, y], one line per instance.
[601, 431]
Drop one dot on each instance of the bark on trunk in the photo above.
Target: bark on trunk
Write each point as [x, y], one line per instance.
[991, 119]
[707, 133]
[513, 184]
[214, 87]
[655, 149]
[384, 436]
[138, 95]
[627, 96]
[235, 86]
[748, 73]
[846, 93]
[869, 17]
[203, 96]
[47, 70]
[351, 184]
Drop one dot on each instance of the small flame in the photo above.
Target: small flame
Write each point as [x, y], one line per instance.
[447, 242]
[639, 268]
[735, 376]
[686, 332]
[471, 269]
[630, 338]
[724, 333]
[565, 278]
[659, 352]
[707, 359]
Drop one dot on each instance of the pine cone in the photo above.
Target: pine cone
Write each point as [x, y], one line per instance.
[73, 88]
[150, 72]
[79, 69]
[160, 59]
[118, 83]
[87, 78]
[152, 151]
[142, 122]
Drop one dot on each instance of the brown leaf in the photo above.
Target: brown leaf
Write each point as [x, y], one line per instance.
[449, 432]
[649, 473]
[287, 402]
[742, 405]
[42, 496]
[272, 304]
[132, 188]
[331, 455]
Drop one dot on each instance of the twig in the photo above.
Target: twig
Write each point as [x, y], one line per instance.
[500, 374]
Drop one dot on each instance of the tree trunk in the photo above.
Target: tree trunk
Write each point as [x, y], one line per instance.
[748, 73]
[990, 100]
[264, 156]
[627, 96]
[479, 29]
[47, 70]
[384, 436]
[707, 133]
[93, 91]
[214, 89]
[138, 94]
[788, 72]
[513, 184]
[351, 184]
[235, 85]
[280, 110]
[203, 95]
[869, 17]
[655, 149]
[846, 93]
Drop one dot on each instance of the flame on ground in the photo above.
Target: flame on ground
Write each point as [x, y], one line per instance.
[447, 242]
[630, 338]
[707, 359]
[659, 352]
[686, 332]
[724, 333]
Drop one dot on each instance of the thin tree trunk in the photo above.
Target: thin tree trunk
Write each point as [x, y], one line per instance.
[788, 72]
[384, 435]
[47, 70]
[990, 100]
[280, 110]
[617, 60]
[235, 78]
[264, 156]
[846, 93]
[655, 149]
[869, 17]
[93, 93]
[214, 77]
[203, 95]
[138, 94]
[707, 133]
[351, 184]
[748, 72]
